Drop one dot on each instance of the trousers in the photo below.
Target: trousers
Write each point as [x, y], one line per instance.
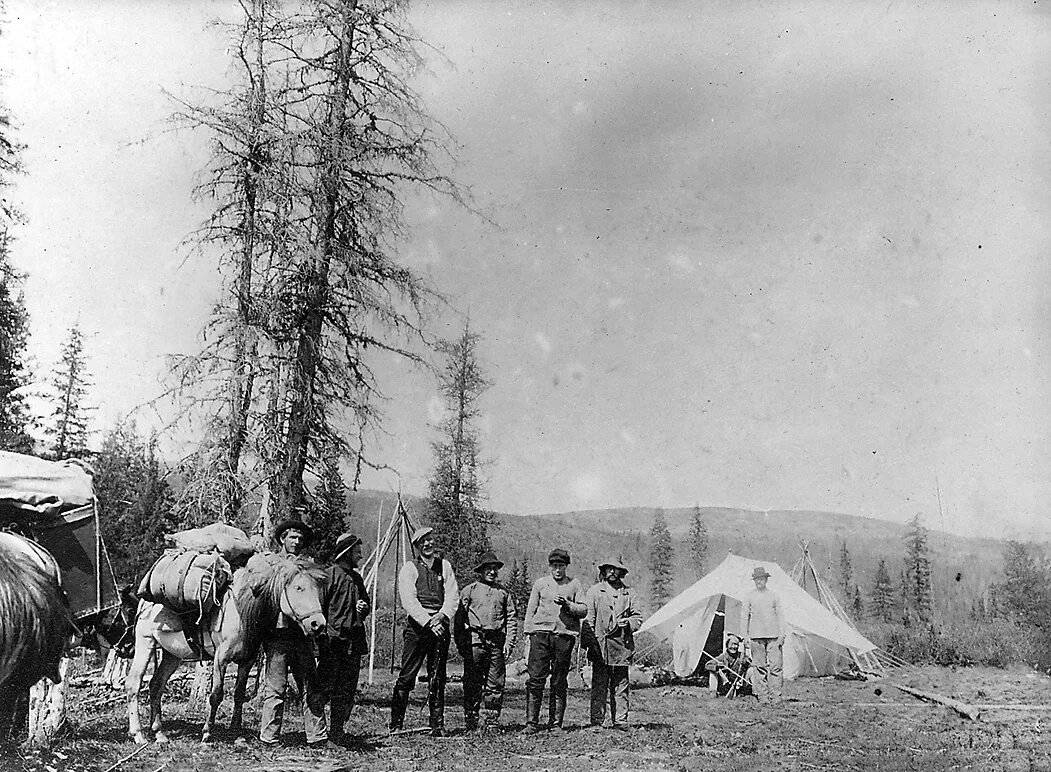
[293, 654]
[767, 677]
[485, 673]
[420, 645]
[337, 675]
[552, 653]
[609, 686]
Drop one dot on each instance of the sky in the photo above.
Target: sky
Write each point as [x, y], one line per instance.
[750, 254]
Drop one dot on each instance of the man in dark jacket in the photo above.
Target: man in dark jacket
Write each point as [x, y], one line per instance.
[346, 606]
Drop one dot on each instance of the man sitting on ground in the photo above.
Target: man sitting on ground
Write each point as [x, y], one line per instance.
[729, 671]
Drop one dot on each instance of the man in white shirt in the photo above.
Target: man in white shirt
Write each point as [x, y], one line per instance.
[763, 625]
[428, 592]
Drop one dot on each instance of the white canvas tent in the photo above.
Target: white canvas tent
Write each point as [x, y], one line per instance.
[818, 643]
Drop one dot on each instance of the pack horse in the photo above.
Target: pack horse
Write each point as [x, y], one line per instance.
[233, 631]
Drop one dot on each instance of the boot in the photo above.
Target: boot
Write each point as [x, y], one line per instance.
[398, 704]
[558, 711]
[339, 716]
[533, 702]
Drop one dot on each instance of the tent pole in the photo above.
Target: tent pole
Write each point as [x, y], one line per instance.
[397, 569]
[372, 642]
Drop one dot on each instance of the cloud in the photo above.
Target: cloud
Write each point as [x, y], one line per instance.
[543, 342]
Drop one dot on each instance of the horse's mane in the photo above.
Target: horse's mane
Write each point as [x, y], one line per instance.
[257, 590]
[34, 620]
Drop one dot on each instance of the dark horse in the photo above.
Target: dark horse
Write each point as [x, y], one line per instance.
[34, 622]
[269, 584]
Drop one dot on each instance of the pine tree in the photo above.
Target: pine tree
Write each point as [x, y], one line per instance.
[1023, 595]
[858, 605]
[68, 429]
[454, 504]
[14, 336]
[661, 553]
[328, 513]
[882, 594]
[918, 570]
[134, 502]
[846, 572]
[907, 613]
[699, 544]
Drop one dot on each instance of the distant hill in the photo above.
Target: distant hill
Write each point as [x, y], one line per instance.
[962, 567]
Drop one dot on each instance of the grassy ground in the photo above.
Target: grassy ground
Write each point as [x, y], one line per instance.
[824, 724]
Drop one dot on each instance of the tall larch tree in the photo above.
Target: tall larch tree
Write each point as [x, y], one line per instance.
[661, 555]
[699, 544]
[68, 427]
[454, 503]
[882, 605]
[918, 570]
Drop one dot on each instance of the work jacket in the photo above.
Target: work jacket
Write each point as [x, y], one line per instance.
[606, 640]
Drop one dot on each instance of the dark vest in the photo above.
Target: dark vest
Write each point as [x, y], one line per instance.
[430, 584]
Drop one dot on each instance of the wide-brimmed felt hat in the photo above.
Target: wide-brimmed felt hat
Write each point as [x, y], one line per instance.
[344, 544]
[488, 559]
[419, 533]
[558, 556]
[760, 573]
[613, 563]
[299, 525]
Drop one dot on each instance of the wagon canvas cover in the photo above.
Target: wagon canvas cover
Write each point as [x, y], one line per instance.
[54, 503]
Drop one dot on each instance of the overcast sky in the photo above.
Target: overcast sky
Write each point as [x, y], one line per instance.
[757, 254]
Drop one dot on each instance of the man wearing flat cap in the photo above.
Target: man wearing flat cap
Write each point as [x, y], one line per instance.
[486, 629]
[552, 622]
[612, 618]
[427, 589]
[346, 605]
[763, 627]
[288, 650]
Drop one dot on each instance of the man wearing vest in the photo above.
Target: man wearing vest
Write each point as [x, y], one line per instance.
[287, 649]
[428, 592]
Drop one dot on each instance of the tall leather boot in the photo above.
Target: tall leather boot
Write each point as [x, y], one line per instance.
[558, 711]
[533, 701]
[398, 705]
[339, 715]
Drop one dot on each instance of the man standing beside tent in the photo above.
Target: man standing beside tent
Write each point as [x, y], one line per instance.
[763, 626]
[552, 622]
[340, 648]
[428, 592]
[612, 618]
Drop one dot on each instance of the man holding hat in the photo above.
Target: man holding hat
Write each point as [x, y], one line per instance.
[346, 605]
[486, 628]
[287, 649]
[552, 622]
[612, 618]
[763, 626]
[428, 591]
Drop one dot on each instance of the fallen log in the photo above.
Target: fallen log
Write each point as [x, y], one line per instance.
[962, 708]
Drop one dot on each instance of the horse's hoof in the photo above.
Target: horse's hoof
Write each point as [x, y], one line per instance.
[206, 737]
[240, 742]
[161, 738]
[139, 739]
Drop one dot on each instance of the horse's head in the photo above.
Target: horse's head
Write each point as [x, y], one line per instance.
[301, 600]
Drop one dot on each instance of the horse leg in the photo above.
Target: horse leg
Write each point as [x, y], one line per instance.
[215, 697]
[244, 670]
[169, 664]
[144, 647]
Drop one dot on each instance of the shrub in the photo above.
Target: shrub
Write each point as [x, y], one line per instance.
[993, 643]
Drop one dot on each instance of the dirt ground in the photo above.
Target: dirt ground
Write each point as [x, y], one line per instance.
[824, 724]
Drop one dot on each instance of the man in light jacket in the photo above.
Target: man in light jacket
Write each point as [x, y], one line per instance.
[552, 622]
[613, 616]
[763, 625]
[428, 592]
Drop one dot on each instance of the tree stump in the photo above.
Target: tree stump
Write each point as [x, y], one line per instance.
[47, 707]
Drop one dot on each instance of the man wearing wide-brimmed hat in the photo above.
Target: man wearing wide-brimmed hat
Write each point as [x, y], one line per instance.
[486, 629]
[288, 650]
[763, 626]
[346, 605]
[427, 589]
[552, 622]
[612, 618]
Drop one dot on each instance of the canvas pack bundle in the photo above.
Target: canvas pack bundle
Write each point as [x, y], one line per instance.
[231, 542]
[187, 581]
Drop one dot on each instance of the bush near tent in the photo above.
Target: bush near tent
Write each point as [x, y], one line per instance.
[696, 621]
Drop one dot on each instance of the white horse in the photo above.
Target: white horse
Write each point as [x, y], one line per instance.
[269, 584]
[35, 623]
